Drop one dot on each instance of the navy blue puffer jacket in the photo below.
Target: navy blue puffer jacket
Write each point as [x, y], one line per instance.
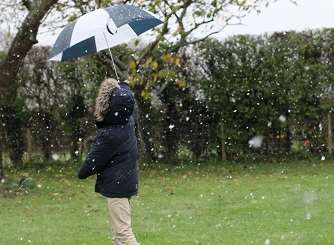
[113, 156]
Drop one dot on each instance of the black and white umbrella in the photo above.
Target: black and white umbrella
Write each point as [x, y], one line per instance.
[101, 29]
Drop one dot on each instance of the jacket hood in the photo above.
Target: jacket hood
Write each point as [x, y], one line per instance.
[122, 104]
[102, 103]
[120, 107]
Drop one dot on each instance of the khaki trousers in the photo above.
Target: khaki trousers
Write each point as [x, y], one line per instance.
[120, 219]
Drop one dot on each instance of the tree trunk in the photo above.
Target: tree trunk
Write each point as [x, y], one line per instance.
[46, 136]
[288, 139]
[14, 131]
[196, 142]
[2, 171]
[2, 148]
[75, 135]
[329, 133]
[22, 43]
[171, 139]
[98, 4]
[29, 145]
[143, 130]
[25, 38]
[222, 144]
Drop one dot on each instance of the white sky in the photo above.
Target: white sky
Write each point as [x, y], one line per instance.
[285, 16]
[279, 16]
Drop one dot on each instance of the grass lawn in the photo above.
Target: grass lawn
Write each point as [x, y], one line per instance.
[217, 203]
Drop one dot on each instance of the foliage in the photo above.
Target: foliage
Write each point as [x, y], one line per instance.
[182, 19]
[200, 97]
[276, 88]
[270, 86]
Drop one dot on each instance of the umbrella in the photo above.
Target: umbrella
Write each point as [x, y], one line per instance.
[101, 29]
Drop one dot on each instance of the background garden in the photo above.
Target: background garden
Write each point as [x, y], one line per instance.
[247, 97]
[235, 135]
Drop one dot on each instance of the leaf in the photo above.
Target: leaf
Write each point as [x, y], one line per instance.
[181, 83]
[132, 65]
[154, 65]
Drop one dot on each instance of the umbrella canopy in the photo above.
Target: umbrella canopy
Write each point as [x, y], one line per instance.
[101, 29]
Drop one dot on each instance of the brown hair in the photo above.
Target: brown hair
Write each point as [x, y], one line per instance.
[102, 102]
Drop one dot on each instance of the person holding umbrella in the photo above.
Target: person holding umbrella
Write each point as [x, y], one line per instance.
[113, 156]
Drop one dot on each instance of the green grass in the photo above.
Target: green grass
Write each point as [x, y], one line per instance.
[217, 203]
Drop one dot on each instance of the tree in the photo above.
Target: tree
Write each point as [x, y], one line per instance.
[274, 87]
[43, 94]
[186, 22]
[24, 39]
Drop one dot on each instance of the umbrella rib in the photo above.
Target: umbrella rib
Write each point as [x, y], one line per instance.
[112, 58]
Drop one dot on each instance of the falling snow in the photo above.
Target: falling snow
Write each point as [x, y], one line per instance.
[256, 141]
[282, 118]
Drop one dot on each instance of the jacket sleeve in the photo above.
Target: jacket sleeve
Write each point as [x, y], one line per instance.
[97, 158]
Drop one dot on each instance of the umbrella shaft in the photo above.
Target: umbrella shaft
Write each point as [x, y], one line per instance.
[111, 56]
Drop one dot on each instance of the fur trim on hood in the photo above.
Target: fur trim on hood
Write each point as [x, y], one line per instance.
[102, 103]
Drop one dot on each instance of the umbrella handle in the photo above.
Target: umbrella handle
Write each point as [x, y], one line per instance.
[112, 58]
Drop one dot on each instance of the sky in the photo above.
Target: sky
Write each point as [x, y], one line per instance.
[284, 16]
[279, 16]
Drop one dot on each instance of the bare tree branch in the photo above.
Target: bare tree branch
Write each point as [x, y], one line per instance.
[27, 4]
[22, 43]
